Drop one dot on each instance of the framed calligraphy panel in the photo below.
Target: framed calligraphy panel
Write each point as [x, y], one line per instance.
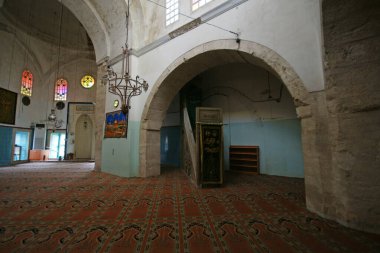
[8, 102]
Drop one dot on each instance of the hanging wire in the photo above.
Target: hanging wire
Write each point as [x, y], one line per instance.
[219, 87]
[127, 24]
[60, 40]
[28, 34]
[78, 77]
[12, 54]
[187, 16]
[51, 75]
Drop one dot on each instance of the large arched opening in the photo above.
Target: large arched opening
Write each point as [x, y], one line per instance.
[190, 65]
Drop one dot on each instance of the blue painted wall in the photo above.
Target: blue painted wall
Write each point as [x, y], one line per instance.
[279, 142]
[5, 146]
[120, 156]
[170, 149]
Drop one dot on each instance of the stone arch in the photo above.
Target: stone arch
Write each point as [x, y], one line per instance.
[93, 24]
[192, 63]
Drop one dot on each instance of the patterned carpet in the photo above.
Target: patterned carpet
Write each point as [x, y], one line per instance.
[46, 207]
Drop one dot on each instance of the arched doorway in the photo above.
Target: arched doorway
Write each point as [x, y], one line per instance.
[189, 65]
[84, 137]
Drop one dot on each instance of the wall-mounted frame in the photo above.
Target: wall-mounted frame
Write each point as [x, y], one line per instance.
[116, 125]
[8, 103]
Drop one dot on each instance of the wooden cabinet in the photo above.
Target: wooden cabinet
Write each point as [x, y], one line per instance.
[245, 159]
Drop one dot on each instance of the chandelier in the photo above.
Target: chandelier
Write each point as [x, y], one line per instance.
[124, 85]
[52, 118]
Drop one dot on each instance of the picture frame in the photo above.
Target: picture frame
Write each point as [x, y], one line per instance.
[116, 125]
[8, 104]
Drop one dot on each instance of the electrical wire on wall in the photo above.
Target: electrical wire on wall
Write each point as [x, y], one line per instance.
[219, 87]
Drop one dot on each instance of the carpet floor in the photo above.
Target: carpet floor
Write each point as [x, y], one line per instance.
[67, 207]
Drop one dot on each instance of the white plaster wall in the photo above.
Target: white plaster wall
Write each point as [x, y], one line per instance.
[153, 18]
[291, 28]
[19, 51]
[112, 16]
[238, 88]
[12, 65]
[94, 24]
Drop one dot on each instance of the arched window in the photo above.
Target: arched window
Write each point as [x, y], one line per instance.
[26, 83]
[60, 90]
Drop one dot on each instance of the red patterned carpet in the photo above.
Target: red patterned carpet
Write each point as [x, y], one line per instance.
[46, 207]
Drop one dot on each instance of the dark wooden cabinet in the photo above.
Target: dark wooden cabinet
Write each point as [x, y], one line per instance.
[245, 159]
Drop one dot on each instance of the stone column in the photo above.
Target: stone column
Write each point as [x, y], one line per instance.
[100, 114]
[316, 132]
[352, 37]
[150, 152]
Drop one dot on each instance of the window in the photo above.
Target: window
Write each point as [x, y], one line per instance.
[21, 145]
[199, 3]
[172, 12]
[87, 81]
[26, 83]
[60, 90]
[56, 144]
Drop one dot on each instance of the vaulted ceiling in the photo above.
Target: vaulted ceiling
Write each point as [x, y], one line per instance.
[42, 19]
[92, 24]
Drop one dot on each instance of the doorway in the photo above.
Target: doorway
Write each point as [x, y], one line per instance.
[84, 136]
[56, 144]
[21, 145]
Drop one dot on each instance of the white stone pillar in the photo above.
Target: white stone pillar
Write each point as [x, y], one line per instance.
[100, 114]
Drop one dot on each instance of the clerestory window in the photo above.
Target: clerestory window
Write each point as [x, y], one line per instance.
[196, 4]
[172, 11]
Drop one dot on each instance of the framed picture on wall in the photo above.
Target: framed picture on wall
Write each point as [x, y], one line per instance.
[116, 125]
[8, 103]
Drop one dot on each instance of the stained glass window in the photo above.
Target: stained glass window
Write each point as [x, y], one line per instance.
[196, 4]
[26, 83]
[172, 11]
[60, 90]
[87, 81]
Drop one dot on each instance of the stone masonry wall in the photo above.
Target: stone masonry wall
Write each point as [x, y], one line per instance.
[352, 68]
